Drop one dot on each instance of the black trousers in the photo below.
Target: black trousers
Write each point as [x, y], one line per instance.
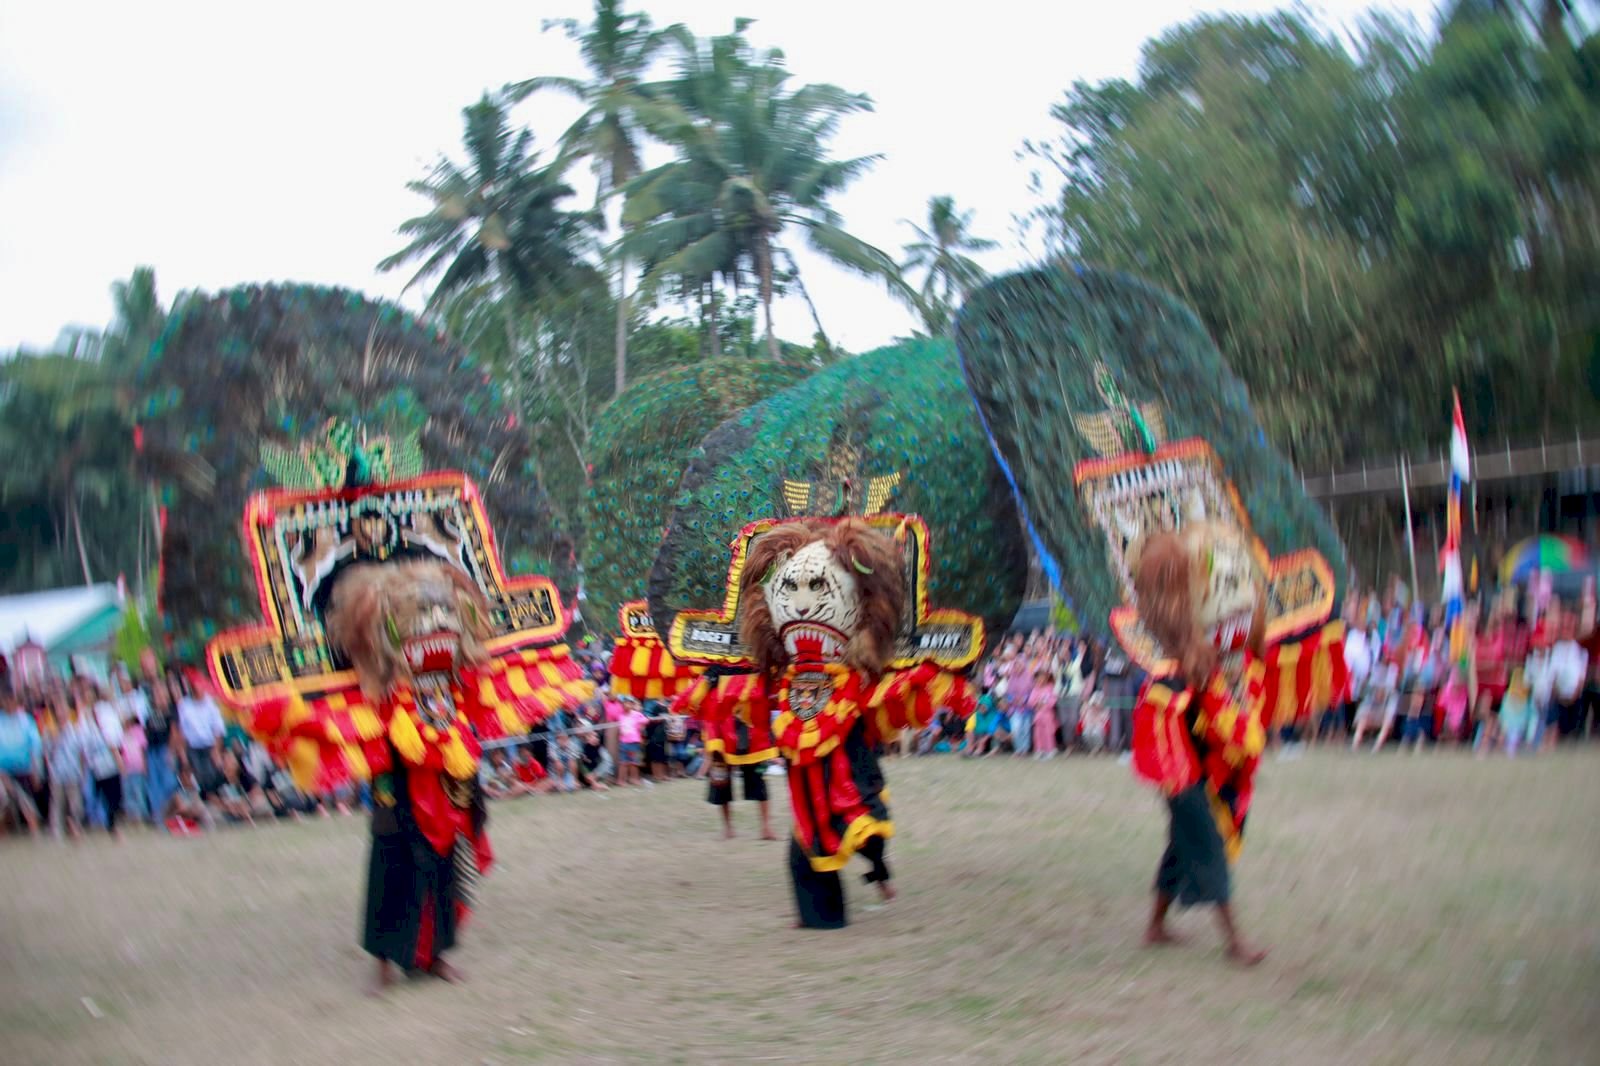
[109, 790]
[819, 895]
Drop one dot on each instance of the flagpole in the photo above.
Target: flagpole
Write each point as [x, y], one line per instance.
[1411, 542]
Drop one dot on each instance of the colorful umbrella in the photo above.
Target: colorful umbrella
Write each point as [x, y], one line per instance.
[1556, 554]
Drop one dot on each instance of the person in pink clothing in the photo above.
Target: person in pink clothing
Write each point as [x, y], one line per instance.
[1019, 703]
[1042, 702]
[135, 796]
[1453, 701]
[630, 733]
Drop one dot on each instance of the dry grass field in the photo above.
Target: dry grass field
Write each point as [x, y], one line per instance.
[1420, 910]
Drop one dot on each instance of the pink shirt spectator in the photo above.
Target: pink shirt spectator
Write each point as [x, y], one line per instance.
[133, 747]
[629, 726]
[613, 710]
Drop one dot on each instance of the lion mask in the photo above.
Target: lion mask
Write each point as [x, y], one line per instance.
[830, 590]
[399, 619]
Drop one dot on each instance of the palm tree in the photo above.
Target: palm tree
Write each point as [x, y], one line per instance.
[618, 48]
[496, 231]
[494, 221]
[752, 163]
[941, 250]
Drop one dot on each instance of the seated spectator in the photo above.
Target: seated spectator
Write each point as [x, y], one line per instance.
[238, 797]
[1094, 719]
[186, 812]
[1379, 706]
[530, 773]
[985, 721]
[499, 778]
[593, 760]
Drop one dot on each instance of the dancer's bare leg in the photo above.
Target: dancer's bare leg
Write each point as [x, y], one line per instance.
[1158, 934]
[766, 821]
[1238, 950]
[382, 978]
[727, 821]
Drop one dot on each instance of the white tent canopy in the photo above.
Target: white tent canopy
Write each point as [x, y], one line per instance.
[47, 616]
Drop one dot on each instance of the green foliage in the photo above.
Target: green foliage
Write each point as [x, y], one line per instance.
[72, 507]
[273, 363]
[1359, 228]
[638, 451]
[133, 636]
[1031, 347]
[941, 250]
[752, 163]
[497, 220]
[907, 411]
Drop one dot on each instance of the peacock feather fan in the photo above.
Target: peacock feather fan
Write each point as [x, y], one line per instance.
[638, 449]
[1074, 363]
[267, 384]
[891, 430]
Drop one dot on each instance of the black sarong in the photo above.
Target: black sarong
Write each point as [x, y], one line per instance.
[414, 894]
[1194, 868]
[411, 910]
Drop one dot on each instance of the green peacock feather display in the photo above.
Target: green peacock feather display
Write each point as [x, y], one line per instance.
[307, 385]
[900, 410]
[640, 445]
[1074, 363]
[342, 456]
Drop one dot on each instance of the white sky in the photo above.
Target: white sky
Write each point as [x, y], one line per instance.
[226, 143]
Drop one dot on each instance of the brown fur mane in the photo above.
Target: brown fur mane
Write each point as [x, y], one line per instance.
[856, 545]
[368, 595]
[1164, 582]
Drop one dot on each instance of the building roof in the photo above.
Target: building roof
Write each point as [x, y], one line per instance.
[47, 617]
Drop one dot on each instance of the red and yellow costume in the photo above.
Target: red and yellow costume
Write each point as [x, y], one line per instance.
[1201, 725]
[394, 649]
[826, 698]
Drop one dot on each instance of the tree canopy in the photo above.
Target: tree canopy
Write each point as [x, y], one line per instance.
[1361, 226]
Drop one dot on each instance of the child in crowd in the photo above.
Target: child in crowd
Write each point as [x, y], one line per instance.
[1453, 703]
[985, 720]
[1380, 705]
[186, 811]
[630, 730]
[1042, 702]
[1093, 719]
[135, 796]
[1519, 717]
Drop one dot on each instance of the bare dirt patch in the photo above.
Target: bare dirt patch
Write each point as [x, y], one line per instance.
[1420, 910]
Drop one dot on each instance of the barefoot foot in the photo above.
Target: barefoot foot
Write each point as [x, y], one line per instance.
[1160, 937]
[886, 890]
[1244, 955]
[445, 972]
[381, 980]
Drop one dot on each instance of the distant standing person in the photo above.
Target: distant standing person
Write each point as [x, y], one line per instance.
[21, 760]
[200, 720]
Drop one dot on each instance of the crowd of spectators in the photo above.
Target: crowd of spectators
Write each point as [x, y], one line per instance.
[1041, 695]
[1514, 675]
[155, 749]
[80, 754]
[1517, 673]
